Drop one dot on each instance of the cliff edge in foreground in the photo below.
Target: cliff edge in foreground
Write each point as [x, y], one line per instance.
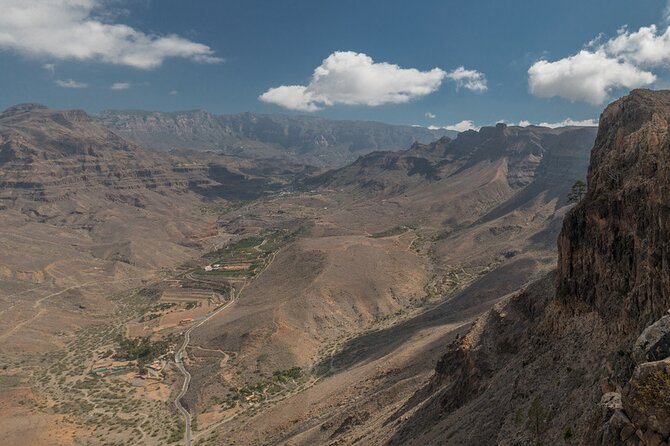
[583, 355]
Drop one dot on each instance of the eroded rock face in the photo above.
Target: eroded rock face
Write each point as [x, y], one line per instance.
[654, 342]
[646, 401]
[614, 250]
[592, 366]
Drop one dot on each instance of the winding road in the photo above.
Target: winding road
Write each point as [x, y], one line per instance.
[178, 359]
[179, 354]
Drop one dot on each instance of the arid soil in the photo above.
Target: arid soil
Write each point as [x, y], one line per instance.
[354, 282]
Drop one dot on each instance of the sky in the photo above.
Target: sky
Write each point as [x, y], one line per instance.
[442, 63]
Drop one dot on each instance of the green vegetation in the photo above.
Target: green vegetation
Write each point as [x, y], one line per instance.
[177, 435]
[150, 316]
[280, 381]
[567, 434]
[142, 349]
[577, 192]
[653, 391]
[254, 250]
[94, 404]
[391, 232]
[537, 420]
[285, 375]
[238, 250]
[163, 306]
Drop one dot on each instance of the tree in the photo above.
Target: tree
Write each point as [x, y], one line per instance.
[577, 192]
[537, 420]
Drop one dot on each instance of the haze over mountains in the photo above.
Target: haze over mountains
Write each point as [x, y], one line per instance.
[307, 139]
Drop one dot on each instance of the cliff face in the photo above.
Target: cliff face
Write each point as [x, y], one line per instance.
[47, 155]
[307, 139]
[614, 249]
[550, 156]
[586, 361]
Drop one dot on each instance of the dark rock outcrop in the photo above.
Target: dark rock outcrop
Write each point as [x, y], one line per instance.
[614, 250]
[590, 363]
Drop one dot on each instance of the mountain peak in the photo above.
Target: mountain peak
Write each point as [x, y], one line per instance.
[22, 108]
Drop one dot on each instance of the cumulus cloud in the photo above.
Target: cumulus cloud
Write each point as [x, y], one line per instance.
[70, 83]
[350, 78]
[470, 125]
[626, 60]
[645, 47]
[79, 30]
[471, 79]
[458, 127]
[569, 123]
[50, 67]
[430, 115]
[586, 76]
[120, 86]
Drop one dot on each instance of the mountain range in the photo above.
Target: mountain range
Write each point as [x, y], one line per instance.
[306, 139]
[445, 292]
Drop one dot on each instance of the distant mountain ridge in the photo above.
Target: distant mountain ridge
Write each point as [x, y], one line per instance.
[309, 139]
[550, 159]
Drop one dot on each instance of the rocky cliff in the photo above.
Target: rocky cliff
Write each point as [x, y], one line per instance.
[526, 156]
[47, 155]
[615, 246]
[582, 356]
[306, 139]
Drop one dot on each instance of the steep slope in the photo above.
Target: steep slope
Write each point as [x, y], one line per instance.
[84, 213]
[397, 253]
[585, 360]
[46, 154]
[492, 172]
[305, 139]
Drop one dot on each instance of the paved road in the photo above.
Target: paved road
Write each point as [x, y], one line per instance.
[178, 359]
[179, 355]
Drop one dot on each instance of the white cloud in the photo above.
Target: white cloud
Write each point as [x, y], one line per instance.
[350, 78]
[626, 60]
[173, 92]
[569, 123]
[74, 30]
[70, 83]
[586, 76]
[644, 47]
[470, 125]
[50, 67]
[430, 115]
[462, 126]
[471, 79]
[120, 86]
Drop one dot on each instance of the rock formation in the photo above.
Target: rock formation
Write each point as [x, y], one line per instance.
[305, 139]
[585, 361]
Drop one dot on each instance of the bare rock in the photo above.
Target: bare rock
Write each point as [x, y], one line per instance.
[646, 401]
[654, 342]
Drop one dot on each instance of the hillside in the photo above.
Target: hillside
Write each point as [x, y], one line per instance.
[304, 139]
[333, 293]
[582, 355]
[397, 253]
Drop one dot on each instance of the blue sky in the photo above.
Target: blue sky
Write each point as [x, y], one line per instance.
[386, 60]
